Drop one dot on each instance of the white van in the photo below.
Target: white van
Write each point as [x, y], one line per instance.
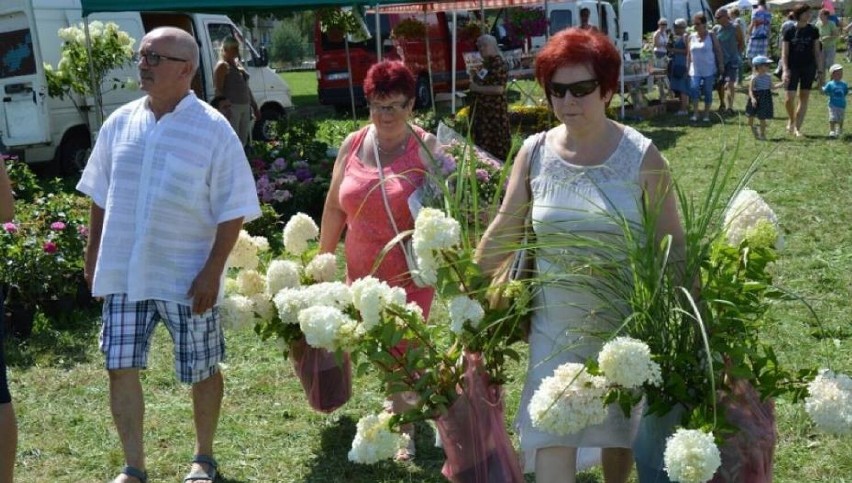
[40, 128]
[635, 18]
[565, 14]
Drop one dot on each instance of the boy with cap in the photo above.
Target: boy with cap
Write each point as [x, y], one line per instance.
[760, 96]
[836, 90]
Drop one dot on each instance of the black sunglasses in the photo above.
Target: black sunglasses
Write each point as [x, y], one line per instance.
[153, 59]
[577, 89]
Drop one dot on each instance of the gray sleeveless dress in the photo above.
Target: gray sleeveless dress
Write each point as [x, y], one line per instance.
[569, 318]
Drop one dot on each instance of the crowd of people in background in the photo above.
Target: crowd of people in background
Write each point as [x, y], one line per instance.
[717, 58]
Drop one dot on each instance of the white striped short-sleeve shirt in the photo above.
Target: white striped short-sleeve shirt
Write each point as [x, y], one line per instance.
[165, 186]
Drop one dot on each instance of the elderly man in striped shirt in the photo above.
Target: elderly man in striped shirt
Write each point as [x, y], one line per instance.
[170, 188]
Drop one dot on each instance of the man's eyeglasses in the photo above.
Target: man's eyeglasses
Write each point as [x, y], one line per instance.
[577, 89]
[153, 59]
[393, 108]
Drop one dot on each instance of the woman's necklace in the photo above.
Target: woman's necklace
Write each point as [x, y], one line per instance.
[395, 151]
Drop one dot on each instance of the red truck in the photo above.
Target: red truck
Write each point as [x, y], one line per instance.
[333, 77]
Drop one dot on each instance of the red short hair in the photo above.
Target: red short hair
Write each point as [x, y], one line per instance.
[387, 78]
[575, 46]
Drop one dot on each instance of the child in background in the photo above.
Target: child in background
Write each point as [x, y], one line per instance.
[760, 96]
[836, 90]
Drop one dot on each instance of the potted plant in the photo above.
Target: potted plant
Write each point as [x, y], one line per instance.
[72, 77]
[409, 29]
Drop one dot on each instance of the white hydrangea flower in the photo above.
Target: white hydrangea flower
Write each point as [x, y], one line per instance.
[374, 440]
[370, 296]
[627, 362]
[464, 309]
[261, 243]
[829, 402]
[262, 305]
[231, 286]
[427, 267]
[691, 456]
[749, 215]
[323, 268]
[324, 327]
[568, 401]
[332, 294]
[250, 282]
[289, 302]
[237, 312]
[433, 230]
[244, 253]
[282, 274]
[298, 230]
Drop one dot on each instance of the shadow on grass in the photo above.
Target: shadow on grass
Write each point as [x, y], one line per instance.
[331, 464]
[64, 342]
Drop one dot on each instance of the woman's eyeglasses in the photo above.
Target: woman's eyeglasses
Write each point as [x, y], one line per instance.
[577, 89]
[153, 59]
[393, 108]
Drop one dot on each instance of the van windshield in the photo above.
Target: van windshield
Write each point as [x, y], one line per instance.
[17, 57]
[560, 20]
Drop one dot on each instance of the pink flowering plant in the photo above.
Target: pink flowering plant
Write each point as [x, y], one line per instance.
[293, 172]
[42, 249]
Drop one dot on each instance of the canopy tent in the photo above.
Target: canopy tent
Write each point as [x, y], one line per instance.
[216, 6]
[451, 5]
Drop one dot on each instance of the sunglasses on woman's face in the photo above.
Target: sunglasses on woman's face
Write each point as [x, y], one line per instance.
[577, 89]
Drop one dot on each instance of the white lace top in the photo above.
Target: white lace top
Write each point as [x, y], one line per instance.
[568, 199]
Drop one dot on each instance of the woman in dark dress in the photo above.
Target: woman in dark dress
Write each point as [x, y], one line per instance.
[801, 61]
[490, 110]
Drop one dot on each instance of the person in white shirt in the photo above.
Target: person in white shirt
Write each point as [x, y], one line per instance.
[170, 188]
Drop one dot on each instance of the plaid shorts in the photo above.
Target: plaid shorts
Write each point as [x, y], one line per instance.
[125, 340]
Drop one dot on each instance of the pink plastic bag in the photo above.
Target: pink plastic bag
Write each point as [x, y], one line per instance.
[327, 384]
[747, 455]
[474, 435]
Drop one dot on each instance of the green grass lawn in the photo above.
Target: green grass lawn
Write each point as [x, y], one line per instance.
[268, 433]
[303, 87]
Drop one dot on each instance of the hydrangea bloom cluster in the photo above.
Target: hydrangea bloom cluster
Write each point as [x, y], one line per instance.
[250, 283]
[323, 268]
[290, 301]
[750, 217]
[374, 441]
[281, 274]
[691, 456]
[244, 253]
[328, 327]
[627, 362]
[464, 309]
[568, 401]
[433, 231]
[370, 295]
[829, 402]
[297, 232]
[237, 312]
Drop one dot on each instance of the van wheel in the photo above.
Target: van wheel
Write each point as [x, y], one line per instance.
[74, 153]
[264, 129]
[422, 93]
